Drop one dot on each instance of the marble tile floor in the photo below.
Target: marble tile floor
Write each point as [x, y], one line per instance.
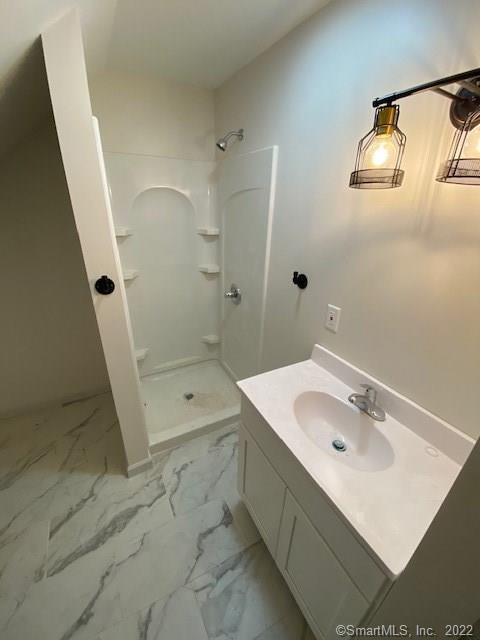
[171, 554]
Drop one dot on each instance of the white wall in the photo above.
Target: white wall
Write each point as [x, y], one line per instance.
[51, 349]
[403, 264]
[148, 116]
[158, 139]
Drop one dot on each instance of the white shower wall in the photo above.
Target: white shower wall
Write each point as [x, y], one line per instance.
[245, 202]
[159, 148]
[163, 202]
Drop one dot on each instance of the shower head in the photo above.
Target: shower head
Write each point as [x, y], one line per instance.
[222, 143]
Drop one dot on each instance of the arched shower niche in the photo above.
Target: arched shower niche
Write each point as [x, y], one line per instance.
[172, 305]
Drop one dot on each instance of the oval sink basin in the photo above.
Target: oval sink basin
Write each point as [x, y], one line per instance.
[333, 425]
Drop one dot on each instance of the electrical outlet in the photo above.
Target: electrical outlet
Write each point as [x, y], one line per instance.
[333, 318]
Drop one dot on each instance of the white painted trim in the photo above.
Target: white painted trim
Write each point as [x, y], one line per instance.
[139, 467]
[268, 245]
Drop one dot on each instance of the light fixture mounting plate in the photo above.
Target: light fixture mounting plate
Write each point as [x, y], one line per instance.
[462, 108]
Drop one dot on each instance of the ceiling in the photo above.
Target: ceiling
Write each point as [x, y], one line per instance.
[199, 42]
[24, 97]
[22, 21]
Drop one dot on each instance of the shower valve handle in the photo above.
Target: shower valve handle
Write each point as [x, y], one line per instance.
[234, 294]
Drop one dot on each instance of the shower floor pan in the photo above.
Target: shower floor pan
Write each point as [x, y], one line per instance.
[185, 402]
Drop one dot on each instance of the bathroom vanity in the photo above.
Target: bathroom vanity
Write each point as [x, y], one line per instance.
[341, 524]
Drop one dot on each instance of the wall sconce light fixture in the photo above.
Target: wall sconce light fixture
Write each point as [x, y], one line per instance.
[463, 163]
[379, 154]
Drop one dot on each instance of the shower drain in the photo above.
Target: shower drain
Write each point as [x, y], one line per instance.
[188, 395]
[339, 445]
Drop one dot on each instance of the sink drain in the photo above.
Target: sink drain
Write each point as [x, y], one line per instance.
[339, 445]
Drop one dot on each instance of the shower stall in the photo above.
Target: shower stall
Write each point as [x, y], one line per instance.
[168, 236]
[190, 232]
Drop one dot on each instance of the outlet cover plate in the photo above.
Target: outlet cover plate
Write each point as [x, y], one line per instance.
[332, 321]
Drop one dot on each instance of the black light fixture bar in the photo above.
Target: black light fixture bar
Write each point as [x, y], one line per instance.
[434, 85]
[379, 153]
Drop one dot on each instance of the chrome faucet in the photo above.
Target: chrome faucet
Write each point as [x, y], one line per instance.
[367, 402]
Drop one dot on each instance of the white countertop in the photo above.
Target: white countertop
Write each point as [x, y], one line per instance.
[392, 508]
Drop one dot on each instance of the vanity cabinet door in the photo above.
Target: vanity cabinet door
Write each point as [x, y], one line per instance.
[261, 488]
[319, 583]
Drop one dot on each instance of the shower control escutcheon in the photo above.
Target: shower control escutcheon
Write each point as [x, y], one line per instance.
[235, 295]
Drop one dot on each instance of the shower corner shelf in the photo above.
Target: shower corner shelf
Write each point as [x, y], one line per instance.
[123, 232]
[141, 354]
[130, 274]
[211, 339]
[208, 231]
[209, 268]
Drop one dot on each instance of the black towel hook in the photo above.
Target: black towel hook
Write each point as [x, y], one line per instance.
[300, 279]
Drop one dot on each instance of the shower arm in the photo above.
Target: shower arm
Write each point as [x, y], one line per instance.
[238, 133]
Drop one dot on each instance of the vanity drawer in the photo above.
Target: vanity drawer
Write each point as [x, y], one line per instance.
[261, 489]
[322, 588]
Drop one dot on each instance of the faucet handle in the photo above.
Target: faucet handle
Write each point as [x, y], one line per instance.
[370, 392]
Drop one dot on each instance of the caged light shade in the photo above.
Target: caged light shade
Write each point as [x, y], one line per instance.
[380, 152]
[463, 163]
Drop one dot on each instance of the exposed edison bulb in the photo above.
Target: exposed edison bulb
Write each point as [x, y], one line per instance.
[472, 144]
[380, 152]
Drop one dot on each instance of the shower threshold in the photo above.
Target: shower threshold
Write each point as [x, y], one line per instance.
[185, 402]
